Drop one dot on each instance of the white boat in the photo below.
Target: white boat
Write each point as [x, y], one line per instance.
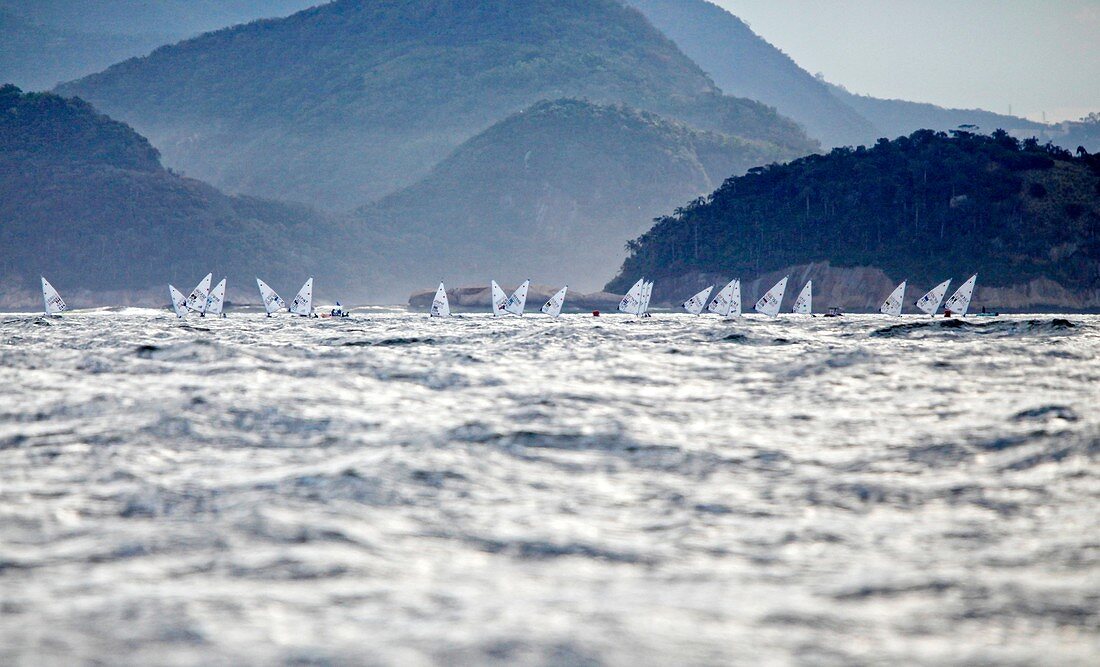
[631, 304]
[695, 304]
[303, 302]
[272, 301]
[930, 302]
[179, 301]
[196, 301]
[771, 301]
[727, 302]
[518, 301]
[647, 295]
[52, 301]
[892, 305]
[553, 306]
[499, 299]
[215, 302]
[959, 302]
[803, 305]
[441, 307]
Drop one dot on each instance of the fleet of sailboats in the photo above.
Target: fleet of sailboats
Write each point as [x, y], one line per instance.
[726, 303]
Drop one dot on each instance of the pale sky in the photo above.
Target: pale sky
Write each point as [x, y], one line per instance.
[1035, 55]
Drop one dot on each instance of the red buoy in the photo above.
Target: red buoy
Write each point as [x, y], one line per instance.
[595, 313]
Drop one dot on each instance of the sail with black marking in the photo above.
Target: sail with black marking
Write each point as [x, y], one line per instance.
[959, 302]
[553, 306]
[804, 304]
[272, 301]
[51, 300]
[179, 301]
[632, 302]
[695, 304]
[441, 307]
[723, 302]
[196, 301]
[771, 301]
[215, 302]
[303, 301]
[500, 299]
[931, 301]
[892, 305]
[518, 301]
[647, 296]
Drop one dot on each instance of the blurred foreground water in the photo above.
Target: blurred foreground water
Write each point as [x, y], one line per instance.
[394, 490]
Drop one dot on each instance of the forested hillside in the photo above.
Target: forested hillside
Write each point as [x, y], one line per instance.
[342, 103]
[552, 193]
[84, 200]
[923, 207]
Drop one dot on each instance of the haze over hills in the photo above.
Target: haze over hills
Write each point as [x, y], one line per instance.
[342, 103]
[922, 207]
[46, 42]
[86, 202]
[552, 192]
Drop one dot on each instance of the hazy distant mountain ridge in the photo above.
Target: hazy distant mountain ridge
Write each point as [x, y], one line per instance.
[924, 207]
[84, 201]
[344, 102]
[551, 193]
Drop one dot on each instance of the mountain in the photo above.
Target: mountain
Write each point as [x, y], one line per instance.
[553, 192]
[744, 64]
[894, 118]
[45, 42]
[923, 207]
[343, 103]
[86, 202]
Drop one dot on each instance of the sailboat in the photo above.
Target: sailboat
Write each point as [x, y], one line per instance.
[518, 301]
[272, 301]
[804, 304]
[196, 301]
[53, 302]
[959, 302]
[892, 304]
[440, 306]
[553, 306]
[647, 294]
[631, 304]
[179, 301]
[215, 302]
[695, 304]
[499, 299]
[303, 302]
[727, 300]
[930, 302]
[769, 303]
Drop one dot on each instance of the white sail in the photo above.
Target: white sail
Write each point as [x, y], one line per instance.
[518, 301]
[303, 302]
[647, 295]
[51, 299]
[695, 304]
[722, 302]
[499, 299]
[179, 301]
[735, 300]
[632, 302]
[196, 301]
[272, 301]
[930, 302]
[440, 306]
[771, 301]
[553, 306]
[215, 302]
[804, 304]
[892, 304]
[959, 302]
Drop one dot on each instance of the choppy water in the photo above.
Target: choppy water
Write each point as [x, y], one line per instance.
[401, 491]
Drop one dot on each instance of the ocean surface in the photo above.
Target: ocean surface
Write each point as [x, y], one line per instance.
[394, 490]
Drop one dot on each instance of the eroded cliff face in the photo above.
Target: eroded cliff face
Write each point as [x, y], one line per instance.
[863, 289]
